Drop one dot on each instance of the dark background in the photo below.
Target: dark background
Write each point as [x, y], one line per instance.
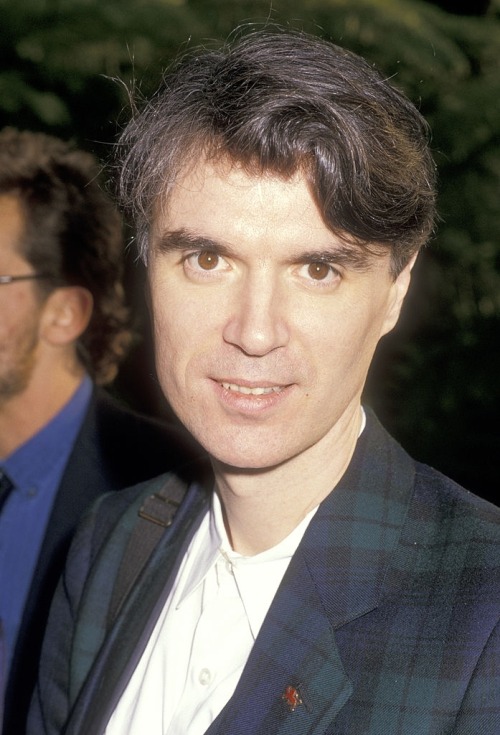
[66, 65]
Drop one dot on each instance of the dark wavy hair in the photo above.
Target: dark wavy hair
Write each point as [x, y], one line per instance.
[284, 101]
[73, 233]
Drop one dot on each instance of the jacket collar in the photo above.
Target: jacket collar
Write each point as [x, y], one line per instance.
[349, 545]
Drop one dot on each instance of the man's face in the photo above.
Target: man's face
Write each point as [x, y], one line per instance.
[265, 322]
[19, 306]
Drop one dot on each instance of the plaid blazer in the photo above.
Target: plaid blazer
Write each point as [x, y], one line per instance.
[386, 622]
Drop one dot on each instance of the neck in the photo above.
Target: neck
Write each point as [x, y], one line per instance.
[261, 507]
[23, 415]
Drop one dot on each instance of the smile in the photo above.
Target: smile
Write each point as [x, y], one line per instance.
[246, 390]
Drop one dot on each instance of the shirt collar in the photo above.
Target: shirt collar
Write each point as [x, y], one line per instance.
[211, 542]
[285, 549]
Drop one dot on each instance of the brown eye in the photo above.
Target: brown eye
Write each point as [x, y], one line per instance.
[207, 260]
[318, 271]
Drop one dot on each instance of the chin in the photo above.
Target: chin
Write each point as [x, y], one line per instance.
[243, 447]
[246, 460]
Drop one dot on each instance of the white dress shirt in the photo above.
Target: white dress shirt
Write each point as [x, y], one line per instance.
[204, 635]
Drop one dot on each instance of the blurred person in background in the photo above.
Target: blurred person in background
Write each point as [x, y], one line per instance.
[64, 328]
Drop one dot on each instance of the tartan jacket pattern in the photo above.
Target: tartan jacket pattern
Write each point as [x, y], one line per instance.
[386, 622]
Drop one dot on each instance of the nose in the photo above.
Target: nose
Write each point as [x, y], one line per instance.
[257, 324]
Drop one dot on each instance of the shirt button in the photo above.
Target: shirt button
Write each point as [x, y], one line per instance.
[205, 677]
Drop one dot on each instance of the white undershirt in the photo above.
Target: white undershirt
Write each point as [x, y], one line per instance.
[204, 635]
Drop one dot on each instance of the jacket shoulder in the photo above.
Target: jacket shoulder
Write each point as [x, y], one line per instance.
[443, 504]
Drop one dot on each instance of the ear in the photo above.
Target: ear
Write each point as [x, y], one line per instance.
[398, 291]
[66, 315]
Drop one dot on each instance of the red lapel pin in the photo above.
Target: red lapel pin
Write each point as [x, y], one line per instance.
[292, 697]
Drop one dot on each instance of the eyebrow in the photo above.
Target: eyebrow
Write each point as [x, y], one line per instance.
[340, 253]
[182, 239]
[349, 257]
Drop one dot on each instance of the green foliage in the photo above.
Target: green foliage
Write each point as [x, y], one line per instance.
[434, 382]
[68, 64]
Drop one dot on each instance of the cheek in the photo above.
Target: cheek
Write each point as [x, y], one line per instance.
[186, 319]
[178, 335]
[349, 341]
[17, 316]
[168, 343]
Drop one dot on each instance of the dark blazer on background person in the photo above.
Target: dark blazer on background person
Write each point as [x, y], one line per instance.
[114, 448]
[386, 622]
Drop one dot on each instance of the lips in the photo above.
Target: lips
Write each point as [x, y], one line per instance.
[252, 390]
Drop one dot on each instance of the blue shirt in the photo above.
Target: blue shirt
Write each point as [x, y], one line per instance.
[36, 469]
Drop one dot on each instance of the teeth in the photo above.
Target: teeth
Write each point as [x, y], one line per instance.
[251, 391]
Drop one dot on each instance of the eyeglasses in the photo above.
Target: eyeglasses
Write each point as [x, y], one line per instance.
[25, 277]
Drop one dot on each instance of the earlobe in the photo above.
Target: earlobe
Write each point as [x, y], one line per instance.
[399, 289]
[66, 316]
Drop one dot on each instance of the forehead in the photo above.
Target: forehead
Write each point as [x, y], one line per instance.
[216, 176]
[222, 199]
[11, 227]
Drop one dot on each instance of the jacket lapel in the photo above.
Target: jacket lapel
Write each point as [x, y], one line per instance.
[294, 680]
[336, 575]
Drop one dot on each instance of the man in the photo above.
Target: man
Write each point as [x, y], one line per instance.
[282, 190]
[63, 331]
